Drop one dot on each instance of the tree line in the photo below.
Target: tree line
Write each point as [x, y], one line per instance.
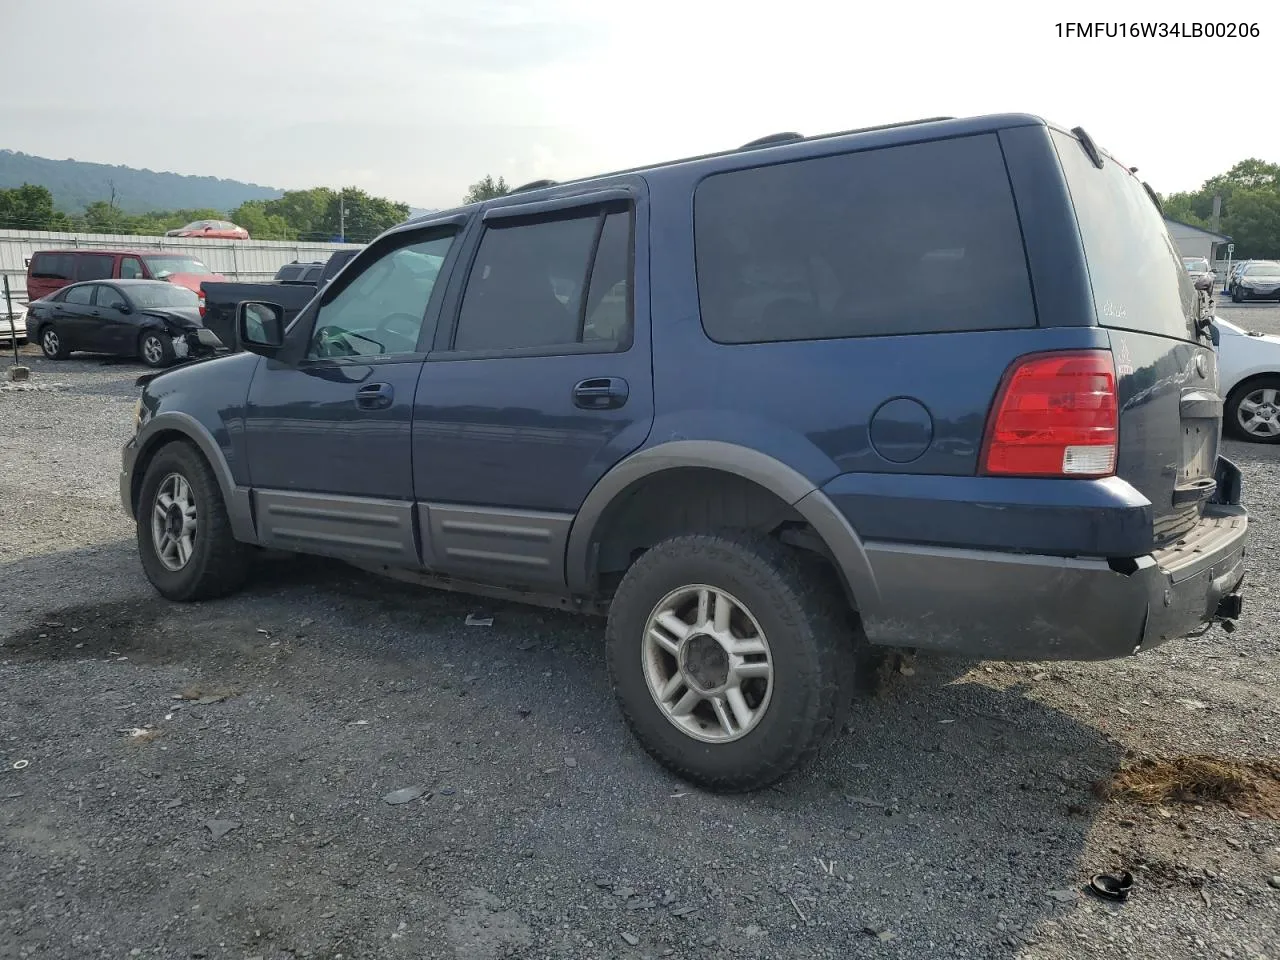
[320, 214]
[1250, 193]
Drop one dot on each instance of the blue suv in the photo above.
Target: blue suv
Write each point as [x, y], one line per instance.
[774, 411]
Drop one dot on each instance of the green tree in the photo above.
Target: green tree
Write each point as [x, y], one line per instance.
[363, 217]
[29, 207]
[486, 189]
[1254, 224]
[262, 225]
[1250, 193]
[305, 212]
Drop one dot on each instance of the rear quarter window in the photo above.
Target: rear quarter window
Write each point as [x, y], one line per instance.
[921, 238]
[52, 266]
[1139, 282]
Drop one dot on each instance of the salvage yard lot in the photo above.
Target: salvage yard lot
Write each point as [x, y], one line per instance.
[208, 780]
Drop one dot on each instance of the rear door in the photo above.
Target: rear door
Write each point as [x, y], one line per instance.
[1167, 374]
[540, 385]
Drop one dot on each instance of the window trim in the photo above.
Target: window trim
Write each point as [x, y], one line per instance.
[299, 333]
[546, 211]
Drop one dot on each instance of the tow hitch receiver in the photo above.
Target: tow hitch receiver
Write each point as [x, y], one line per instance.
[1229, 608]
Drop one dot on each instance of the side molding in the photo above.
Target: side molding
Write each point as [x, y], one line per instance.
[237, 499]
[773, 475]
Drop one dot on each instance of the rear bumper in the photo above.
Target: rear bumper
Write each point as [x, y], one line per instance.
[1017, 606]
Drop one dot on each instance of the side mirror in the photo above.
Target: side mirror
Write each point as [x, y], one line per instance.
[260, 327]
[122, 307]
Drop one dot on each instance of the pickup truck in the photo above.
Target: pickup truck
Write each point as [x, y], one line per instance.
[293, 287]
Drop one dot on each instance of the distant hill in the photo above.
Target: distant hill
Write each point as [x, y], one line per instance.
[75, 184]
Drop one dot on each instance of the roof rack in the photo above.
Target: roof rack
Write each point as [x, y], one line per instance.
[534, 185]
[770, 140]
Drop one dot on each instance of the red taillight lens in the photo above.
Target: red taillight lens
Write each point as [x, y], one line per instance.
[202, 306]
[1055, 416]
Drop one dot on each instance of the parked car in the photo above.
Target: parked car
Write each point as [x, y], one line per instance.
[48, 271]
[763, 470]
[211, 230]
[293, 287]
[1201, 272]
[1249, 377]
[1259, 280]
[154, 321]
[15, 329]
[1236, 270]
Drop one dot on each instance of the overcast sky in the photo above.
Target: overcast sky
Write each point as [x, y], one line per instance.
[415, 99]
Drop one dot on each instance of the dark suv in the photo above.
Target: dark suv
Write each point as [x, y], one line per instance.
[670, 395]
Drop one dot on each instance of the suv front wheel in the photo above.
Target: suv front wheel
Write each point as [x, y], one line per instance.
[732, 660]
[184, 534]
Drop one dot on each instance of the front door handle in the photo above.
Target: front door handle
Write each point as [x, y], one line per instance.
[375, 396]
[601, 393]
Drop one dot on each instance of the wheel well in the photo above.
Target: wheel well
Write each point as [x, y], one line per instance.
[148, 453]
[1248, 382]
[692, 500]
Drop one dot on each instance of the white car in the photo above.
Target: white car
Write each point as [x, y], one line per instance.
[10, 331]
[1249, 377]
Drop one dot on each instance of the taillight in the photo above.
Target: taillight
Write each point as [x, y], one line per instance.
[1055, 415]
[200, 300]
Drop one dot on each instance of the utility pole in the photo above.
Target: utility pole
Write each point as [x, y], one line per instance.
[342, 218]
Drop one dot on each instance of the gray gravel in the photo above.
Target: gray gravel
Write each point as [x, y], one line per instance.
[330, 765]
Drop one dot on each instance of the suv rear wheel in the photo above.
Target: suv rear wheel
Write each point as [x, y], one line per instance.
[731, 660]
[184, 534]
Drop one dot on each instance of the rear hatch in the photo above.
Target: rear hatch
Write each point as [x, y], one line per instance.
[1166, 371]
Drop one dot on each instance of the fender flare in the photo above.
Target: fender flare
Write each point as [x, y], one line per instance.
[783, 481]
[236, 498]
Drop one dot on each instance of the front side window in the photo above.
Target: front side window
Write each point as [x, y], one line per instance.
[550, 283]
[382, 309]
[82, 296]
[130, 268]
[95, 267]
[918, 238]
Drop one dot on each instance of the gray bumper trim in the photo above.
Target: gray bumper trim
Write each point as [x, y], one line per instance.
[1008, 606]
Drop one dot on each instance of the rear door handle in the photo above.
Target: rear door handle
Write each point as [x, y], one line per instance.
[601, 393]
[375, 396]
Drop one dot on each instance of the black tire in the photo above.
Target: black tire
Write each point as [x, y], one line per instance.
[795, 602]
[1235, 295]
[219, 564]
[155, 349]
[1231, 412]
[53, 344]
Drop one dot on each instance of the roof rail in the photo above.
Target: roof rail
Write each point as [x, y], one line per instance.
[534, 185]
[770, 140]
[879, 126]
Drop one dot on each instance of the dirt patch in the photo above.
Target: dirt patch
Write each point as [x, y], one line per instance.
[1247, 786]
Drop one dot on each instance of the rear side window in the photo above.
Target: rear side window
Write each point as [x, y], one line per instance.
[94, 267]
[52, 266]
[81, 295]
[1138, 279]
[550, 283]
[922, 238]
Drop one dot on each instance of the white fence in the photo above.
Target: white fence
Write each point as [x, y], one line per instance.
[236, 259]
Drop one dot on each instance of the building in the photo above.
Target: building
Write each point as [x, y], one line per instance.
[1197, 241]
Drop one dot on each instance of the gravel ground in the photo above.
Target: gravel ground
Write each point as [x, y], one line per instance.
[955, 816]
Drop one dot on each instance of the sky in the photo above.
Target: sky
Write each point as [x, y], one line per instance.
[416, 99]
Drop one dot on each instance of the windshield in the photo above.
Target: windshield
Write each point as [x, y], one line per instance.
[162, 295]
[1196, 266]
[1262, 270]
[162, 267]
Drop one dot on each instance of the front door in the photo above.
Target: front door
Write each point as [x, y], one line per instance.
[117, 332]
[328, 432]
[540, 384]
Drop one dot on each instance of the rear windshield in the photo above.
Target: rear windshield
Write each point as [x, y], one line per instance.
[1200, 265]
[1138, 279]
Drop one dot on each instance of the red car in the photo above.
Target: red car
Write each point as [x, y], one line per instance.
[211, 230]
[48, 271]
